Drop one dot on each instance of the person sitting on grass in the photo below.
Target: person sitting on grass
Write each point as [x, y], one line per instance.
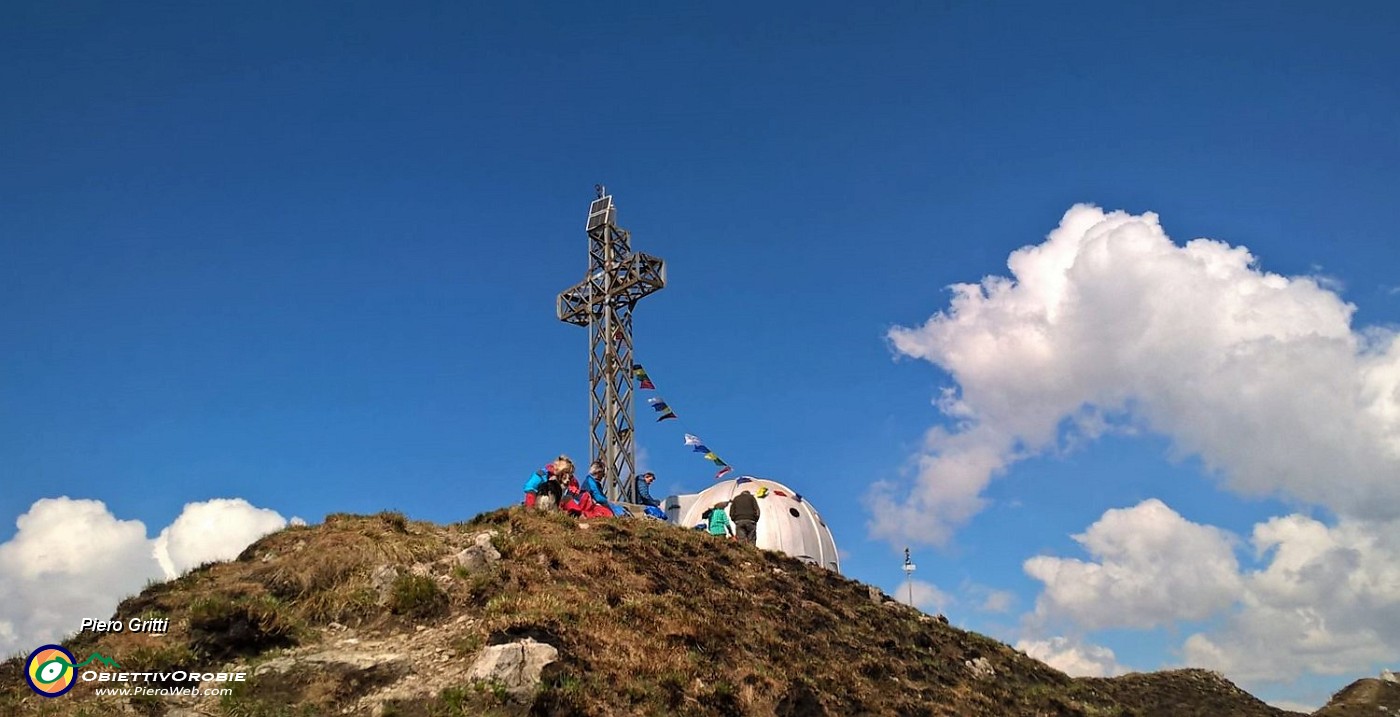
[644, 490]
[591, 483]
[542, 490]
[583, 498]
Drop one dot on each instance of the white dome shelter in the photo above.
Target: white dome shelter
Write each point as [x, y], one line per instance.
[787, 522]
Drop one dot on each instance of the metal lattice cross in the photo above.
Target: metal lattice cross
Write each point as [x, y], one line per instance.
[617, 279]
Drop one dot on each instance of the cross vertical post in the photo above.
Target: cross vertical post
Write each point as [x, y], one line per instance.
[603, 302]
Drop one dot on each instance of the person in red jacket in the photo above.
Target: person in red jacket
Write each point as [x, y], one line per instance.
[571, 495]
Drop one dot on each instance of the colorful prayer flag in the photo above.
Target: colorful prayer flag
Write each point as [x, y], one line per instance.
[664, 413]
[695, 444]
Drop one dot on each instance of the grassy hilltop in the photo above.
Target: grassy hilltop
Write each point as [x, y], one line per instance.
[379, 615]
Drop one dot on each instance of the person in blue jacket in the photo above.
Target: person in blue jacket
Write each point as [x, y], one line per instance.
[542, 483]
[590, 485]
[644, 490]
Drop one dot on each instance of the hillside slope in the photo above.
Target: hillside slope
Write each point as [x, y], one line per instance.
[377, 615]
[1367, 696]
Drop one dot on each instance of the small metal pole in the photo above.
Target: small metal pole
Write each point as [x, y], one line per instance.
[909, 575]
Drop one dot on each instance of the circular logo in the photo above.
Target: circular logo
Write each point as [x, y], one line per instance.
[49, 671]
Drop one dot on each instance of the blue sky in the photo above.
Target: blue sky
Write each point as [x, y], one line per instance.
[308, 258]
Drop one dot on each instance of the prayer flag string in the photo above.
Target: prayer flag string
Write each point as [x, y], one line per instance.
[665, 412]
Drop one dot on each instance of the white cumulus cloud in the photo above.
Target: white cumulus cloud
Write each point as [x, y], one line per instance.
[1150, 567]
[72, 559]
[1327, 601]
[1109, 322]
[1073, 657]
[1322, 599]
[997, 601]
[217, 529]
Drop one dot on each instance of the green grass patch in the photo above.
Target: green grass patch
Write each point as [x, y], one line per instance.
[417, 596]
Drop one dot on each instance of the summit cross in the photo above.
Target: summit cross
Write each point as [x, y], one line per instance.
[603, 302]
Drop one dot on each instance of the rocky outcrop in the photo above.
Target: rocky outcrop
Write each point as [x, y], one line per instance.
[480, 555]
[382, 581]
[356, 665]
[980, 668]
[515, 666]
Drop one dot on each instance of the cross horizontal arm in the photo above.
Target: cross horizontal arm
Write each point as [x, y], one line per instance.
[632, 278]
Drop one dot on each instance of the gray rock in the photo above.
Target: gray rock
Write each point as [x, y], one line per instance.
[980, 668]
[516, 666]
[382, 579]
[877, 595]
[339, 662]
[1389, 676]
[480, 555]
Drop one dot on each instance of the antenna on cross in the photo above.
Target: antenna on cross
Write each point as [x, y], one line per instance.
[603, 302]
